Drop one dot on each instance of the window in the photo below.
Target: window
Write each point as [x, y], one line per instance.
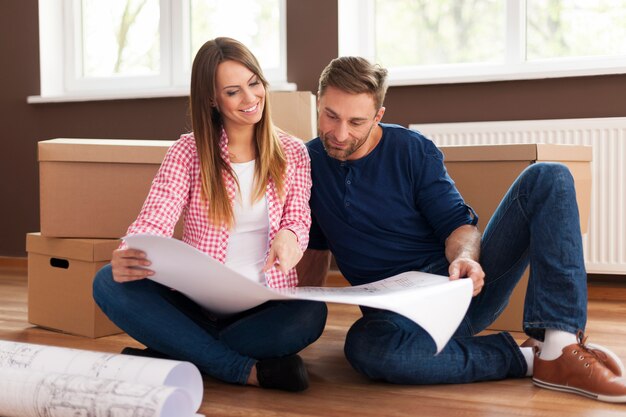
[93, 49]
[444, 41]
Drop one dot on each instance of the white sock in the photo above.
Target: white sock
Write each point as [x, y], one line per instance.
[529, 355]
[554, 343]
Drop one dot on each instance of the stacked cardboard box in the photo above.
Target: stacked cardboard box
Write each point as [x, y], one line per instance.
[60, 273]
[90, 191]
[483, 175]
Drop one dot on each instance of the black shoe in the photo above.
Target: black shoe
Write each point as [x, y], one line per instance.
[286, 373]
[147, 353]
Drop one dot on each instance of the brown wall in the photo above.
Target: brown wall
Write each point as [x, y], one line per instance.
[556, 98]
[311, 43]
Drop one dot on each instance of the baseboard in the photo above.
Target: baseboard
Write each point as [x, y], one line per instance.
[13, 269]
[13, 262]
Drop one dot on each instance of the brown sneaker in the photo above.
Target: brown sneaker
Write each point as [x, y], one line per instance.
[608, 358]
[580, 371]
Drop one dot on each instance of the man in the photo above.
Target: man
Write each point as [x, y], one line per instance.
[384, 204]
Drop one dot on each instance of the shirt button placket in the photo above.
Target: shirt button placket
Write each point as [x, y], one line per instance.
[348, 193]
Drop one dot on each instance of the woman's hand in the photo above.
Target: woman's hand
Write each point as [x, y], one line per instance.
[129, 265]
[285, 251]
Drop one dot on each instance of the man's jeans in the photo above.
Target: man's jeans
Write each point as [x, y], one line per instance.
[225, 348]
[537, 221]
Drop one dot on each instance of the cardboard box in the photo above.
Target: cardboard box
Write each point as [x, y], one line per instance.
[295, 112]
[483, 175]
[60, 277]
[94, 188]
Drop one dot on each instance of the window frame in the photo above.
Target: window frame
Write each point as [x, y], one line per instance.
[357, 37]
[60, 57]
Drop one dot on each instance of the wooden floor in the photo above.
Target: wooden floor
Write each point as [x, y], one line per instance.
[336, 390]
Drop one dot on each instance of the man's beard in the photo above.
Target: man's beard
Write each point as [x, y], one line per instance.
[353, 145]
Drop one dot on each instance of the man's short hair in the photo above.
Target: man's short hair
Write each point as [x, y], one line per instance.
[355, 75]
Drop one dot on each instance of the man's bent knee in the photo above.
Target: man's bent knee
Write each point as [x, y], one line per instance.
[367, 347]
[381, 348]
[551, 172]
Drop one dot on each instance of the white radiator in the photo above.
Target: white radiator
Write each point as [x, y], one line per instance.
[605, 242]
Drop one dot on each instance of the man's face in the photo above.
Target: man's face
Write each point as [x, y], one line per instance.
[346, 122]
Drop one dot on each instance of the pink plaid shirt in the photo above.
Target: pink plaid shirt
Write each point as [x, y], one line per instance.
[176, 189]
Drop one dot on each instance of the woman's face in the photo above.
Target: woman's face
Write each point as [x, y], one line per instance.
[240, 95]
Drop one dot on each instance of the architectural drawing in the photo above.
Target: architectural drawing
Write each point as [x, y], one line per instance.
[47, 381]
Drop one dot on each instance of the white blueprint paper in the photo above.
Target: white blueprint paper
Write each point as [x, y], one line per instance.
[38, 380]
[34, 394]
[432, 301]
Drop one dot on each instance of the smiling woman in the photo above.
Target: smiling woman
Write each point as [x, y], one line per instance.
[240, 98]
[243, 188]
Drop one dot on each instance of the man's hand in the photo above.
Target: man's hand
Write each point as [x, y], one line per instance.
[463, 252]
[285, 252]
[468, 268]
[129, 265]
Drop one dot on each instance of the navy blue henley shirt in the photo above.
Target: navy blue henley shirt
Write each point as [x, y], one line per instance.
[388, 212]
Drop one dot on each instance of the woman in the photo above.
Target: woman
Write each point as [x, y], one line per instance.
[243, 189]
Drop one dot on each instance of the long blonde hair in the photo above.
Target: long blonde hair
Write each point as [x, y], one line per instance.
[207, 124]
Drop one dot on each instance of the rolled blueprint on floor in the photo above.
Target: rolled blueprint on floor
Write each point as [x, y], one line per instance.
[56, 381]
[27, 393]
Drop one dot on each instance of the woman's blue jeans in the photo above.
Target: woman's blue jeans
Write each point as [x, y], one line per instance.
[225, 348]
[536, 222]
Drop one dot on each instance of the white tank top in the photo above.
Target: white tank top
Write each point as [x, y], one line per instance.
[249, 238]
